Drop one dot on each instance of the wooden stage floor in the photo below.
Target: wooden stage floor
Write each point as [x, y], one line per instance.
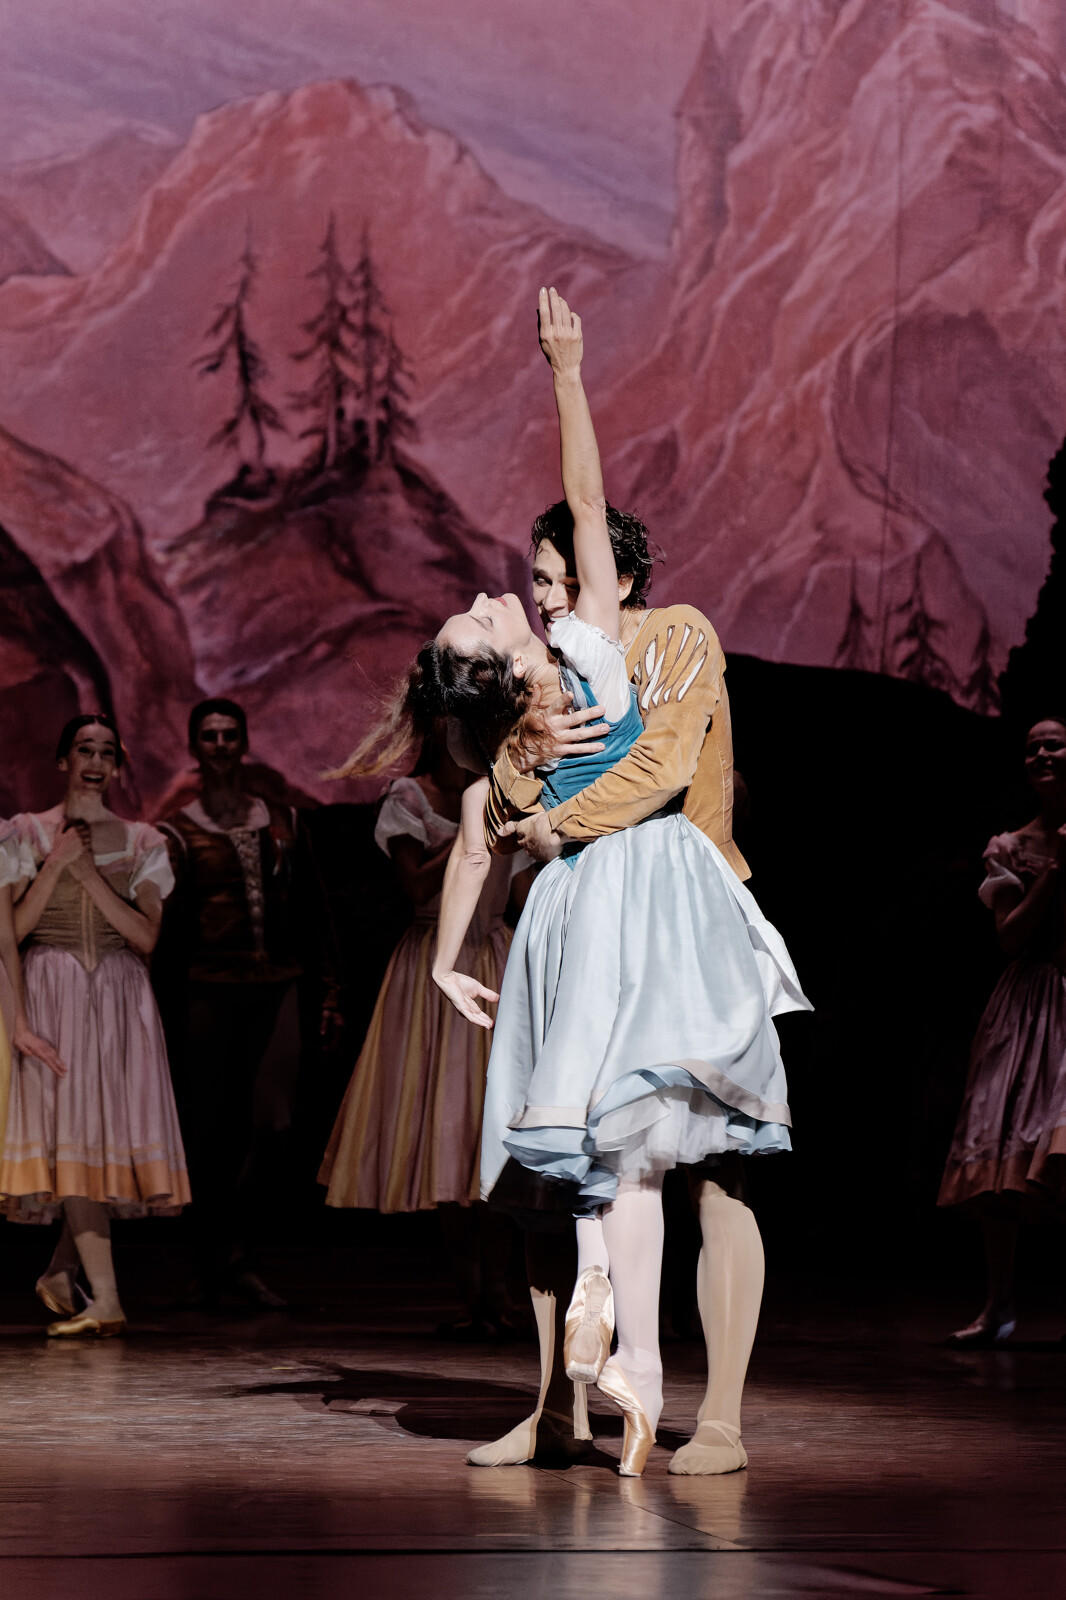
[311, 1454]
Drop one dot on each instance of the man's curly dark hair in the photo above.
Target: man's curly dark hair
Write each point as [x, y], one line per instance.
[629, 541]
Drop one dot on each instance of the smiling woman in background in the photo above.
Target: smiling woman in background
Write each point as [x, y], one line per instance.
[102, 1139]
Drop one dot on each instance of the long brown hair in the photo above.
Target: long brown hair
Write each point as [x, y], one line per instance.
[481, 691]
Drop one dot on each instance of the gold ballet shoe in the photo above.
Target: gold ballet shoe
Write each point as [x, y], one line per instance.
[58, 1307]
[639, 1435]
[589, 1326]
[86, 1326]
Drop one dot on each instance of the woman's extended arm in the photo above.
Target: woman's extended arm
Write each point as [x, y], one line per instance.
[562, 342]
[464, 879]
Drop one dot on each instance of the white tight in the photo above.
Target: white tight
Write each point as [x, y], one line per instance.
[626, 1240]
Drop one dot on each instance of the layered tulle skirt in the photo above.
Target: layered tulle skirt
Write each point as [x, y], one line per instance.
[408, 1134]
[635, 1027]
[108, 1131]
[1010, 1139]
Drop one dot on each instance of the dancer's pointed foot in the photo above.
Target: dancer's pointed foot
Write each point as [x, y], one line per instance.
[639, 1434]
[544, 1437]
[714, 1448]
[994, 1326]
[589, 1326]
[56, 1291]
[87, 1326]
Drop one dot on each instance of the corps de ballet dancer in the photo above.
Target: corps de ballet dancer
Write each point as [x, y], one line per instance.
[100, 1139]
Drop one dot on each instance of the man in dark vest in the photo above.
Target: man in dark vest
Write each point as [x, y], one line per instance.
[246, 922]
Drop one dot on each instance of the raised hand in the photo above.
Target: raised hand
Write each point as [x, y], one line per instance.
[464, 993]
[560, 332]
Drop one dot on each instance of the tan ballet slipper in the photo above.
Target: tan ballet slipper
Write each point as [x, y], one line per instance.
[706, 1455]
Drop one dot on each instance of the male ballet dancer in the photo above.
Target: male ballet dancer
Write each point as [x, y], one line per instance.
[684, 758]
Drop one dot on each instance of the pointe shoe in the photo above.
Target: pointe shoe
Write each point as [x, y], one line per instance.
[589, 1326]
[48, 1297]
[86, 1326]
[984, 1333]
[705, 1457]
[639, 1435]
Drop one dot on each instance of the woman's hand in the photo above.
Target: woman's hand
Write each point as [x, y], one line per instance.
[70, 845]
[567, 733]
[535, 836]
[560, 333]
[28, 1043]
[464, 993]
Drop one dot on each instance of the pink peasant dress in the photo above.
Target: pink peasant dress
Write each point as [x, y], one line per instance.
[1011, 1134]
[108, 1131]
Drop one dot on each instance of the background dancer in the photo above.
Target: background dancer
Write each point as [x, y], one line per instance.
[103, 1139]
[1008, 1157]
[16, 862]
[408, 1134]
[247, 921]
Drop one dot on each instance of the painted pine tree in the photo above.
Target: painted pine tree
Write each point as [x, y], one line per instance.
[981, 690]
[1034, 682]
[335, 396]
[392, 419]
[857, 648]
[916, 642]
[386, 375]
[253, 415]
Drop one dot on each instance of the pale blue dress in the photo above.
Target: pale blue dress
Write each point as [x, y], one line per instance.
[634, 1031]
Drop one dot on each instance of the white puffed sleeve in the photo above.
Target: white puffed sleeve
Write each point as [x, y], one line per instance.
[151, 862]
[599, 660]
[16, 857]
[1001, 881]
[402, 814]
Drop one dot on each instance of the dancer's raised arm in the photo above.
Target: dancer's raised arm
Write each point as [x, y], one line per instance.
[562, 341]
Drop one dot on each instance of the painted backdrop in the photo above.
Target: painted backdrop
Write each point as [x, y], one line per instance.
[270, 404]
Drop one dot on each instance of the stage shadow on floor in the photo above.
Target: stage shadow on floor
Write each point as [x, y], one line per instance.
[431, 1406]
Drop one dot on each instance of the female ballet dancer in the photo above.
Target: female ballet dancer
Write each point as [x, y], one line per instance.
[102, 1139]
[634, 1029]
[1008, 1157]
[15, 863]
[408, 1133]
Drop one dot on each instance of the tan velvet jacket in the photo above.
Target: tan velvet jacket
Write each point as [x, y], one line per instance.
[677, 667]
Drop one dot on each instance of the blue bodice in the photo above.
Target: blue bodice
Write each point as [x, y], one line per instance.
[577, 772]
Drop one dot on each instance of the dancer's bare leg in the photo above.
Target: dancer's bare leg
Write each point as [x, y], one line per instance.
[996, 1320]
[730, 1285]
[558, 1423]
[90, 1228]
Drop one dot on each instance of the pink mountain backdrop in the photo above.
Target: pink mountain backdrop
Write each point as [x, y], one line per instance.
[825, 328]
